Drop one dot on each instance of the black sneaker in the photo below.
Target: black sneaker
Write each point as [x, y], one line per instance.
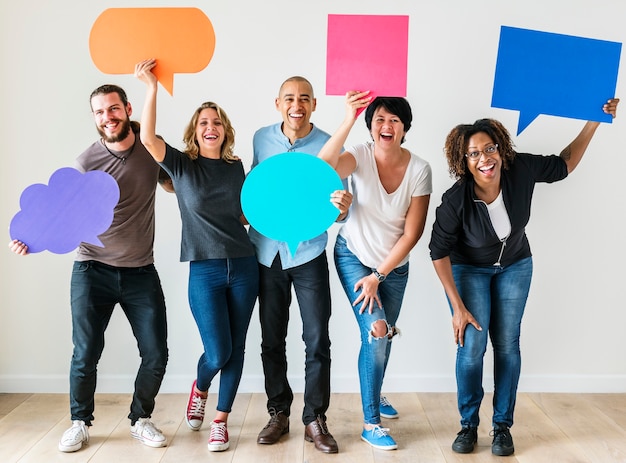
[465, 440]
[502, 444]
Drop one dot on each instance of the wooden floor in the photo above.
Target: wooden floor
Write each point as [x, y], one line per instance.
[549, 428]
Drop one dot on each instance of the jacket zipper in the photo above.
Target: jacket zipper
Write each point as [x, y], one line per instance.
[498, 264]
[503, 240]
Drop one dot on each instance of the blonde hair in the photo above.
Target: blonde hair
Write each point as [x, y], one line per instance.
[192, 149]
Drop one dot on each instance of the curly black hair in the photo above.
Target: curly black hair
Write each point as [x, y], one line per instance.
[458, 139]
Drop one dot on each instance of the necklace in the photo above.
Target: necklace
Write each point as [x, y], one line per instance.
[121, 158]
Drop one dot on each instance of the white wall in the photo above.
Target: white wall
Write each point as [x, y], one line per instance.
[572, 336]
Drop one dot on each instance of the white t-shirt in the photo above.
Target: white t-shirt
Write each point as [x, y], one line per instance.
[499, 217]
[376, 219]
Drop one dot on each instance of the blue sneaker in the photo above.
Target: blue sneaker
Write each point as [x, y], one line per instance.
[378, 438]
[386, 409]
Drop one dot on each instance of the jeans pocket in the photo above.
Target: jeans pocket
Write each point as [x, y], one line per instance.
[401, 271]
[149, 269]
[81, 267]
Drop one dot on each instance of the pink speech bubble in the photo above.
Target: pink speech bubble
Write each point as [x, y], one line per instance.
[181, 39]
[355, 60]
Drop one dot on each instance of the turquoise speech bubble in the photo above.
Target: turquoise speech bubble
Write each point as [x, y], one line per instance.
[287, 197]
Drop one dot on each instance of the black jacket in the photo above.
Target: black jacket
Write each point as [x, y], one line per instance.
[462, 228]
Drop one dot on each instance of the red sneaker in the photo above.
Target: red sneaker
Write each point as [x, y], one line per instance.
[218, 439]
[195, 409]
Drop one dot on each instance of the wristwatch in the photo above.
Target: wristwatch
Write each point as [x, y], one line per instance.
[380, 276]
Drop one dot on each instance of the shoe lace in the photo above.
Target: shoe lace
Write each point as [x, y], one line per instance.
[499, 434]
[78, 428]
[384, 401]
[197, 405]
[147, 427]
[322, 425]
[378, 431]
[218, 432]
[274, 417]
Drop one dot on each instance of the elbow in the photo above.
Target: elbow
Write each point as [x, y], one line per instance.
[412, 239]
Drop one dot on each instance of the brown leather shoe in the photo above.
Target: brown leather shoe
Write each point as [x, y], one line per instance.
[277, 426]
[317, 432]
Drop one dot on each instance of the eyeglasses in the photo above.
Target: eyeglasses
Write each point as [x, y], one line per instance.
[488, 151]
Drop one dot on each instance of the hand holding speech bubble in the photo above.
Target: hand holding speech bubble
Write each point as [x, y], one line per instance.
[181, 39]
[71, 209]
[554, 74]
[287, 197]
[356, 62]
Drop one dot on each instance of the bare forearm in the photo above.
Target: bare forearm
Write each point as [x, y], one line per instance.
[443, 268]
[573, 153]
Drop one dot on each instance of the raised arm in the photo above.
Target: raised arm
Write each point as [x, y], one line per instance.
[344, 163]
[573, 153]
[154, 144]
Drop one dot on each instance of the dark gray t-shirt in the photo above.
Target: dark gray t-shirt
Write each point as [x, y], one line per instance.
[208, 193]
[129, 240]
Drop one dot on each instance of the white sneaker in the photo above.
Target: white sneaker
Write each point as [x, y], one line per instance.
[72, 439]
[147, 433]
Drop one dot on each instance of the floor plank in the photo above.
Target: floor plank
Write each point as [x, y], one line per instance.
[564, 428]
[599, 438]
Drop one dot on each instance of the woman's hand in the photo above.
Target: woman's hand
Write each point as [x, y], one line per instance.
[369, 293]
[18, 247]
[356, 101]
[460, 319]
[610, 107]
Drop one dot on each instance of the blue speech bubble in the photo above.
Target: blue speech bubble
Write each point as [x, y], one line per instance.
[71, 209]
[287, 197]
[554, 74]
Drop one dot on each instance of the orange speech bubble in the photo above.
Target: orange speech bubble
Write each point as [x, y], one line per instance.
[180, 39]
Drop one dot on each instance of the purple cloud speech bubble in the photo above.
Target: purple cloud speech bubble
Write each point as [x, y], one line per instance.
[73, 208]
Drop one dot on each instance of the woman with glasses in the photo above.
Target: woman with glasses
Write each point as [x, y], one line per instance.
[482, 257]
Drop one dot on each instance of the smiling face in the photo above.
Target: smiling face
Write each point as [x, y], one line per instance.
[209, 133]
[485, 168]
[296, 104]
[387, 129]
[112, 117]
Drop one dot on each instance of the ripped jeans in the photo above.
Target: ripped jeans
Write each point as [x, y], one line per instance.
[374, 352]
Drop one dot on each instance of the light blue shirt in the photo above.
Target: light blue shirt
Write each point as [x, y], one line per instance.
[267, 142]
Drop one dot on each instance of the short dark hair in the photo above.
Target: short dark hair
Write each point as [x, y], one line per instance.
[395, 105]
[296, 79]
[109, 88]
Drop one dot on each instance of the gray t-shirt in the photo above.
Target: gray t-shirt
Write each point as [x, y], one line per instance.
[209, 199]
[129, 240]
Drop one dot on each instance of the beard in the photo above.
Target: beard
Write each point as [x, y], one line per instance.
[124, 131]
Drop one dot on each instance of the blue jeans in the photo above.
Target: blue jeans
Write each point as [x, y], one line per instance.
[95, 290]
[496, 297]
[374, 353]
[311, 284]
[222, 293]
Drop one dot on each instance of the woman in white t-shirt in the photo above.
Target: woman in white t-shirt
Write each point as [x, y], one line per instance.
[391, 188]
